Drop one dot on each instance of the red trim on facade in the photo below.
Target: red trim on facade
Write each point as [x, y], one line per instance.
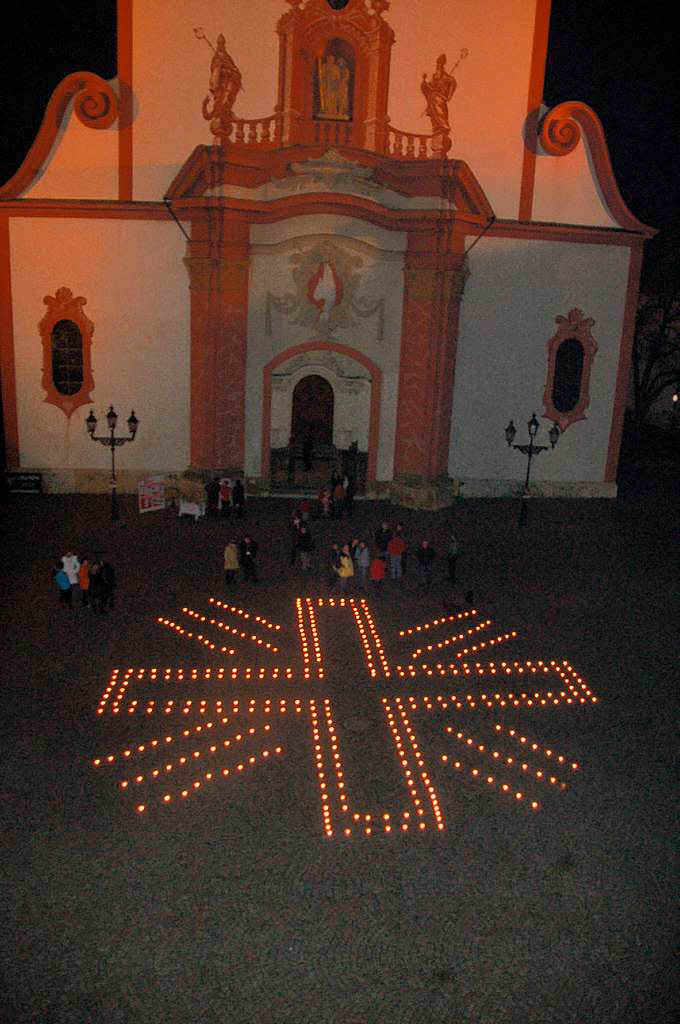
[95, 106]
[560, 132]
[574, 325]
[7, 370]
[65, 306]
[94, 209]
[623, 373]
[249, 168]
[125, 151]
[433, 284]
[326, 346]
[218, 265]
[539, 52]
[543, 231]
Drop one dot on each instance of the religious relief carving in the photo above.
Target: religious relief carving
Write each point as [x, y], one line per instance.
[225, 85]
[438, 91]
[326, 296]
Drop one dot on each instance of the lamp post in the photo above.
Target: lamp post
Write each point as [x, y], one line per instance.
[112, 442]
[530, 449]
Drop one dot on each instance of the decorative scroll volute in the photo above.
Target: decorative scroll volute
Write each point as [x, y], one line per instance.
[64, 306]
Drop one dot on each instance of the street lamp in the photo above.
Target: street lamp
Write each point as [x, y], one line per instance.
[531, 449]
[112, 443]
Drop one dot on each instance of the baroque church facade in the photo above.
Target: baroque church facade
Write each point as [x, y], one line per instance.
[300, 224]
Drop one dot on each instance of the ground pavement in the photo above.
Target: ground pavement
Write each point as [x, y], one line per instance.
[209, 818]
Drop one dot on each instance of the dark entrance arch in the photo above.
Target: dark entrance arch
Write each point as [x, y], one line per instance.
[312, 413]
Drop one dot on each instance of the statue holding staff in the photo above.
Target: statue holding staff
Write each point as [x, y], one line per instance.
[225, 85]
[438, 91]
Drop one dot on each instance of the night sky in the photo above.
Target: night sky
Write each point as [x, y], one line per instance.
[621, 62]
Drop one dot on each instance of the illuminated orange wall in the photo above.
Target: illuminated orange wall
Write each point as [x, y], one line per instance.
[170, 71]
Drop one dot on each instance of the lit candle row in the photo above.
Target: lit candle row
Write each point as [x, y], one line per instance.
[316, 643]
[438, 622]
[547, 752]
[194, 756]
[450, 640]
[420, 761]
[188, 635]
[375, 637]
[302, 633]
[218, 624]
[242, 613]
[490, 780]
[507, 759]
[321, 770]
[411, 779]
[209, 776]
[156, 742]
[363, 636]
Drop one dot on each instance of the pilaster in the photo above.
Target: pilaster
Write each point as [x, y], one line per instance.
[433, 289]
[217, 264]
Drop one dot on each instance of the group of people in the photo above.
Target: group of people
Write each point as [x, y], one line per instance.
[240, 557]
[224, 495]
[337, 497]
[388, 558]
[94, 580]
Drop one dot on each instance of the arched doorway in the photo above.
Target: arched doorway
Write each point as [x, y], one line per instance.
[351, 425]
[312, 412]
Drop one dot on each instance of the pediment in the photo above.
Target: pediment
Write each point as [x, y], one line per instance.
[265, 177]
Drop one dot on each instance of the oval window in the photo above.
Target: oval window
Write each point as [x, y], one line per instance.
[67, 357]
[568, 375]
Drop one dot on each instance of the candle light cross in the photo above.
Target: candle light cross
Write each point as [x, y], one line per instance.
[221, 719]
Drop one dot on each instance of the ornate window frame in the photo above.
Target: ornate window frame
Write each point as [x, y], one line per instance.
[64, 306]
[573, 326]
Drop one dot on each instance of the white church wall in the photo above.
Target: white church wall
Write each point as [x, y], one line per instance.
[133, 278]
[566, 190]
[515, 290]
[376, 256]
[82, 164]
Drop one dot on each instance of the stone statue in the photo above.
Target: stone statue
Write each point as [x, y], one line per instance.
[334, 88]
[438, 91]
[225, 85]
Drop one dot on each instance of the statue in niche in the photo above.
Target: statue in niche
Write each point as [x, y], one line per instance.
[225, 85]
[438, 91]
[334, 76]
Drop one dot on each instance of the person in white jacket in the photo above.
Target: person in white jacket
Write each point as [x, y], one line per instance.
[71, 564]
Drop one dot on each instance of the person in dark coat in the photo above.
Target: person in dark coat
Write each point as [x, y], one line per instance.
[425, 556]
[248, 553]
[97, 586]
[295, 524]
[305, 545]
[109, 586]
[383, 535]
[334, 565]
[238, 497]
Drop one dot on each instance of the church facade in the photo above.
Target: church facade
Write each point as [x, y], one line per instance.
[300, 226]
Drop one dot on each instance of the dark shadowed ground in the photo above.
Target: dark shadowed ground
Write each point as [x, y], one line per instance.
[231, 904]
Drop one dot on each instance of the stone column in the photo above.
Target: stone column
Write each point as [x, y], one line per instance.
[217, 263]
[433, 289]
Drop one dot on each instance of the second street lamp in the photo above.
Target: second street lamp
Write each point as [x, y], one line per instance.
[112, 442]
